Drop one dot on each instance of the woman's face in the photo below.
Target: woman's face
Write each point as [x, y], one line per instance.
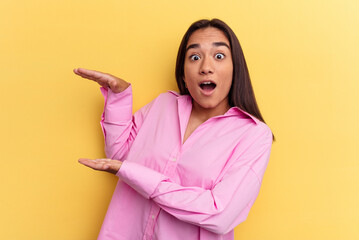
[208, 69]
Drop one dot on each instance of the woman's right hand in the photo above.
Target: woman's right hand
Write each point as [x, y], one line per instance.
[106, 80]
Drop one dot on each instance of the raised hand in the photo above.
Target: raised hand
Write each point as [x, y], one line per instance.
[103, 164]
[106, 80]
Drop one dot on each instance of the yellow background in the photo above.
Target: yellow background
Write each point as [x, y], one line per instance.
[303, 60]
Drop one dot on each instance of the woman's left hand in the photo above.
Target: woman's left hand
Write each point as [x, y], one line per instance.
[103, 164]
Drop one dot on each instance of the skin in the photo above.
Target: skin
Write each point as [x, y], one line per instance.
[116, 85]
[208, 58]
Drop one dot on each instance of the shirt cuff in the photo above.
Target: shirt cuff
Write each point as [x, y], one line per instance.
[118, 106]
[144, 180]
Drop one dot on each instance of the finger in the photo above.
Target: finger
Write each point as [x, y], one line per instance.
[91, 163]
[97, 164]
[102, 161]
[93, 74]
[82, 72]
[85, 71]
[101, 83]
[104, 79]
[88, 77]
[83, 75]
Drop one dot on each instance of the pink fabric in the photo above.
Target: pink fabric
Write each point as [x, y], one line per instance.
[201, 189]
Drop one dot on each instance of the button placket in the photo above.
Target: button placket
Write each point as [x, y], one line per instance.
[169, 171]
[152, 219]
[171, 164]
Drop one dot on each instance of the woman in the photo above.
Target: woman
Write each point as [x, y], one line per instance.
[191, 164]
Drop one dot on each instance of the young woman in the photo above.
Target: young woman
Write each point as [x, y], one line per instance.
[190, 164]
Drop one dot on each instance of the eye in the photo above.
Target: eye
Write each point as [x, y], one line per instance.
[194, 57]
[219, 56]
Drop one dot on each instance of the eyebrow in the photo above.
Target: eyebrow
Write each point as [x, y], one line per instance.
[216, 44]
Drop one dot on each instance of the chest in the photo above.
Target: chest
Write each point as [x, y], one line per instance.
[193, 123]
[191, 153]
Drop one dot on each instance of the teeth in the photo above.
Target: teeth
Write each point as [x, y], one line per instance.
[206, 82]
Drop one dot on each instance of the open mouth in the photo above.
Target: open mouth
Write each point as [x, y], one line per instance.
[207, 86]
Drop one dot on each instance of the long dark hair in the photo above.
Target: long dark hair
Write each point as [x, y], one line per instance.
[241, 93]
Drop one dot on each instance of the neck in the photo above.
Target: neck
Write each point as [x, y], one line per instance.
[206, 113]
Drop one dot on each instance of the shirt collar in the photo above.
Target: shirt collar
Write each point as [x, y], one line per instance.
[233, 111]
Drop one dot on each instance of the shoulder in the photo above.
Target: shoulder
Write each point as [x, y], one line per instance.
[168, 95]
[257, 127]
[262, 131]
[254, 127]
[167, 98]
[257, 138]
[162, 102]
[254, 130]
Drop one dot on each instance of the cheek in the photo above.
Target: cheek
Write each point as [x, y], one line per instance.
[227, 77]
[227, 87]
[188, 74]
[185, 72]
[230, 70]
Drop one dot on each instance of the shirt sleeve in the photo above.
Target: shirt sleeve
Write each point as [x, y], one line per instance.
[219, 209]
[118, 125]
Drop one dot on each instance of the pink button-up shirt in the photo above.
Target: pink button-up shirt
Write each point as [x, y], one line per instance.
[169, 190]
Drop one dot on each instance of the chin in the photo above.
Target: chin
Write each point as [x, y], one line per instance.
[207, 105]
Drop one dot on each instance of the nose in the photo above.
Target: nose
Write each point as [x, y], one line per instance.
[206, 66]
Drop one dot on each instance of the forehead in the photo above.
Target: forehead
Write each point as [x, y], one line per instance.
[207, 35]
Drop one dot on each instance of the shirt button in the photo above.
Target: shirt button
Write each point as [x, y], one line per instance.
[173, 159]
[153, 216]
